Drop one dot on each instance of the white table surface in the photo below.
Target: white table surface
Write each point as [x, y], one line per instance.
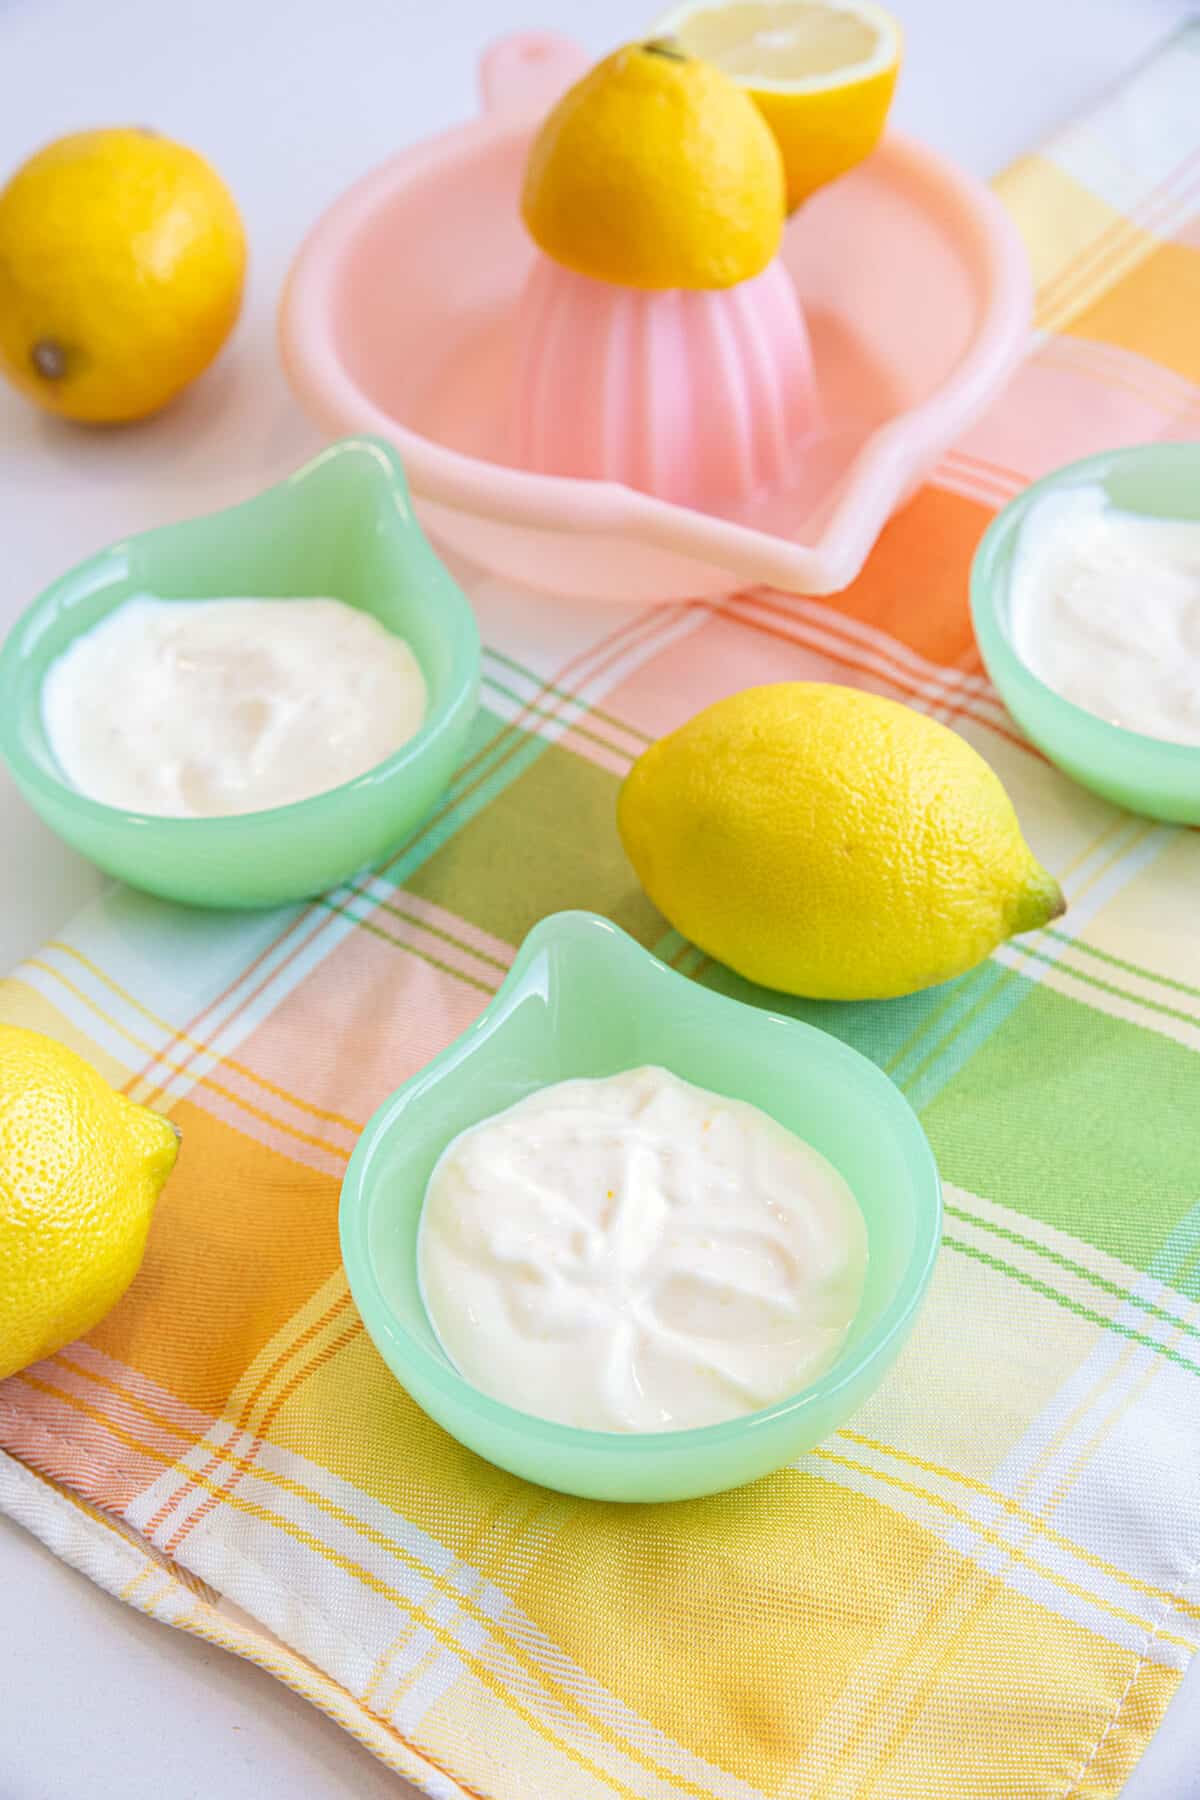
[292, 102]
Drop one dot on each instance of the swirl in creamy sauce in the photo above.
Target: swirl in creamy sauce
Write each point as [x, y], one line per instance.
[208, 708]
[1105, 609]
[638, 1254]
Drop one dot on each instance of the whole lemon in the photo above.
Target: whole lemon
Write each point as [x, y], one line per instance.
[122, 261]
[656, 171]
[830, 843]
[80, 1170]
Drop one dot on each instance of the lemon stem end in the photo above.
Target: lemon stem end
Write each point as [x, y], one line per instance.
[1041, 900]
[49, 359]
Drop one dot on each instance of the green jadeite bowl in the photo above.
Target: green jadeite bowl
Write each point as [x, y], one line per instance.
[1143, 774]
[341, 526]
[582, 999]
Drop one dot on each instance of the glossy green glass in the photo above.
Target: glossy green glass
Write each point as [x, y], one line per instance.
[1143, 774]
[582, 999]
[341, 526]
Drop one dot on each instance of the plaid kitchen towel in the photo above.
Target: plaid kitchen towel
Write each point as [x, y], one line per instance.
[988, 1584]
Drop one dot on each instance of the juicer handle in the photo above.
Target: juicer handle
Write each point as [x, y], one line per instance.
[527, 72]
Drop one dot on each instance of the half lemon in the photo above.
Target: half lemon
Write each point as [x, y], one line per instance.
[822, 73]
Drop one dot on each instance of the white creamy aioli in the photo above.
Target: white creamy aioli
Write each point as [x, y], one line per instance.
[1105, 609]
[197, 708]
[637, 1254]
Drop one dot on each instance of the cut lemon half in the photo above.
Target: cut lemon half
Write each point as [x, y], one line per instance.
[822, 73]
[656, 171]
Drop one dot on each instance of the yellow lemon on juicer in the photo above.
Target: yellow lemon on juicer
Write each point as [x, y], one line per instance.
[656, 171]
[122, 262]
[827, 842]
[80, 1170]
[821, 72]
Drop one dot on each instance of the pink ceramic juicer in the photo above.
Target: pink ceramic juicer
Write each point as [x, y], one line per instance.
[403, 316]
[701, 397]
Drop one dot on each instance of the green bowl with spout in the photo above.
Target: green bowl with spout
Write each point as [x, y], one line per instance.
[342, 526]
[582, 999]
